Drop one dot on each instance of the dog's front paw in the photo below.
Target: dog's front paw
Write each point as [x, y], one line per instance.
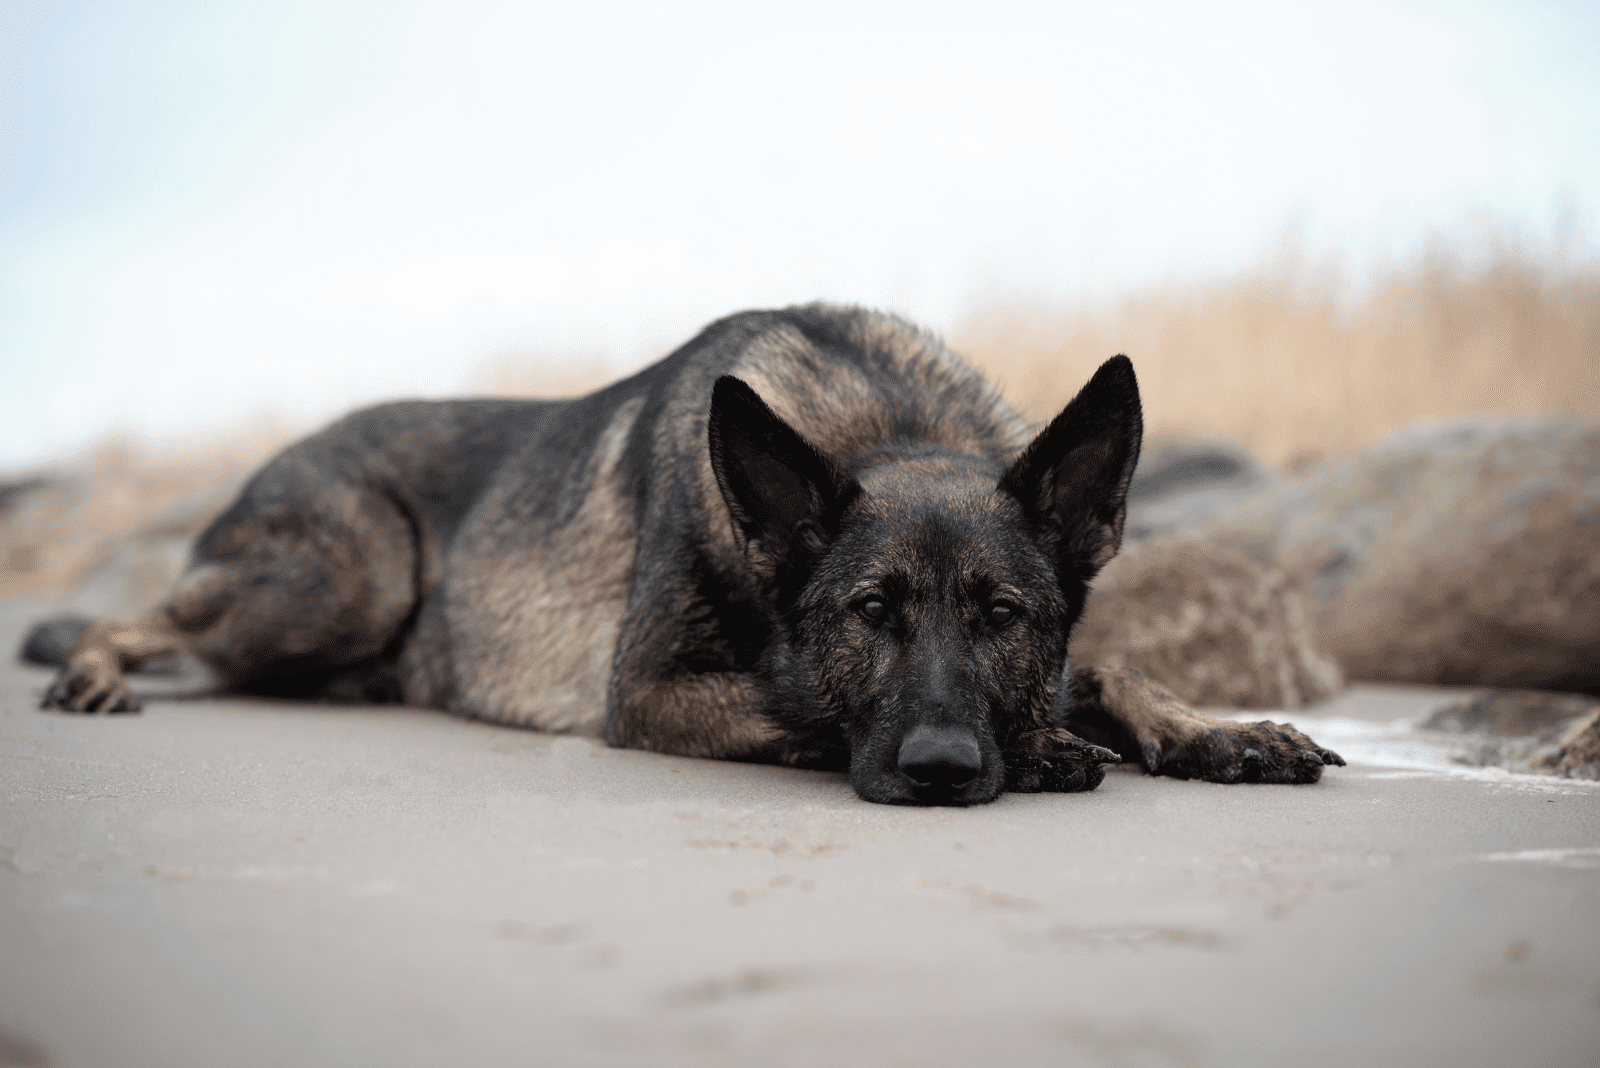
[1241, 752]
[1055, 760]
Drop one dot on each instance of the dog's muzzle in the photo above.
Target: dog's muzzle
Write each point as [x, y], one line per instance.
[940, 760]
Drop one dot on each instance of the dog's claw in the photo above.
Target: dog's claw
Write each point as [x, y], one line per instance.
[1311, 758]
[1330, 757]
[1103, 755]
[85, 694]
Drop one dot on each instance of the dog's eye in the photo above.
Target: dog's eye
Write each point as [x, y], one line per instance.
[874, 610]
[1000, 614]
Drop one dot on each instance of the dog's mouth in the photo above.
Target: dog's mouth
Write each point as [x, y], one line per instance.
[889, 789]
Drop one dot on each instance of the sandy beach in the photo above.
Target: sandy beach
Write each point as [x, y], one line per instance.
[246, 882]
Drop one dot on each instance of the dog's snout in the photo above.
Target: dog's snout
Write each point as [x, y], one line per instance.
[940, 757]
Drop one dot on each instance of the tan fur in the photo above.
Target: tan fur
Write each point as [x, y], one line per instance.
[550, 609]
[710, 715]
[1149, 711]
[923, 357]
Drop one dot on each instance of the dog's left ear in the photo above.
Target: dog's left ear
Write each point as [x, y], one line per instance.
[784, 494]
[1072, 480]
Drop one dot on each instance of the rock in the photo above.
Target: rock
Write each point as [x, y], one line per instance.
[1181, 485]
[1509, 713]
[1463, 553]
[1577, 755]
[1546, 733]
[1207, 623]
[49, 643]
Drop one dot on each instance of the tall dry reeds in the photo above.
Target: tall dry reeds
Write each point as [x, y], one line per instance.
[1284, 361]
[1280, 359]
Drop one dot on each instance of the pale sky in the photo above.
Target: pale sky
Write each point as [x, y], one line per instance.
[211, 210]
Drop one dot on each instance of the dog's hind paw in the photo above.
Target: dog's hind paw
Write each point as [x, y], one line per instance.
[1055, 760]
[84, 690]
[1242, 752]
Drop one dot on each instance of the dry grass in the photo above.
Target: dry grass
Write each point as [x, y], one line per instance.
[536, 373]
[53, 537]
[1281, 361]
[1277, 359]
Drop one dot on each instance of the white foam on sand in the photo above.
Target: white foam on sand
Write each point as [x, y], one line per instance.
[1578, 857]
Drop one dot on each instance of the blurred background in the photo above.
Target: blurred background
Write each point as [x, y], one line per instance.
[1307, 224]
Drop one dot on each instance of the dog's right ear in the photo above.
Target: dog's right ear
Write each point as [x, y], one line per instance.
[1072, 481]
[785, 495]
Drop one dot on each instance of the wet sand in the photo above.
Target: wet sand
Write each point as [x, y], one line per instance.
[245, 882]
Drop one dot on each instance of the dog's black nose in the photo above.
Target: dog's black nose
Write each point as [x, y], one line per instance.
[945, 757]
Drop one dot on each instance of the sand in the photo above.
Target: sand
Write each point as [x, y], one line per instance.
[245, 882]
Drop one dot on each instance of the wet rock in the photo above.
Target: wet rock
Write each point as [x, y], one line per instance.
[1546, 733]
[1464, 553]
[1207, 623]
[1508, 713]
[1577, 754]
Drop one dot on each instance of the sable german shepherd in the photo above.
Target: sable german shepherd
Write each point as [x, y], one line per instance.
[811, 536]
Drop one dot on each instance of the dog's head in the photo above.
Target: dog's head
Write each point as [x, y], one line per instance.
[926, 596]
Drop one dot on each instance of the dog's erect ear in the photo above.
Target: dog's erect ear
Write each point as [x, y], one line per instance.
[781, 491]
[1073, 478]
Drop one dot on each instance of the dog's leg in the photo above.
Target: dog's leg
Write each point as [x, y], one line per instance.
[1120, 708]
[711, 714]
[92, 680]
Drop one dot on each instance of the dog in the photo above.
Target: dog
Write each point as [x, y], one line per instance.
[811, 536]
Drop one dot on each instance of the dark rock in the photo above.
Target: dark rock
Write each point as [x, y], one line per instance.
[50, 642]
[1546, 733]
[1508, 713]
